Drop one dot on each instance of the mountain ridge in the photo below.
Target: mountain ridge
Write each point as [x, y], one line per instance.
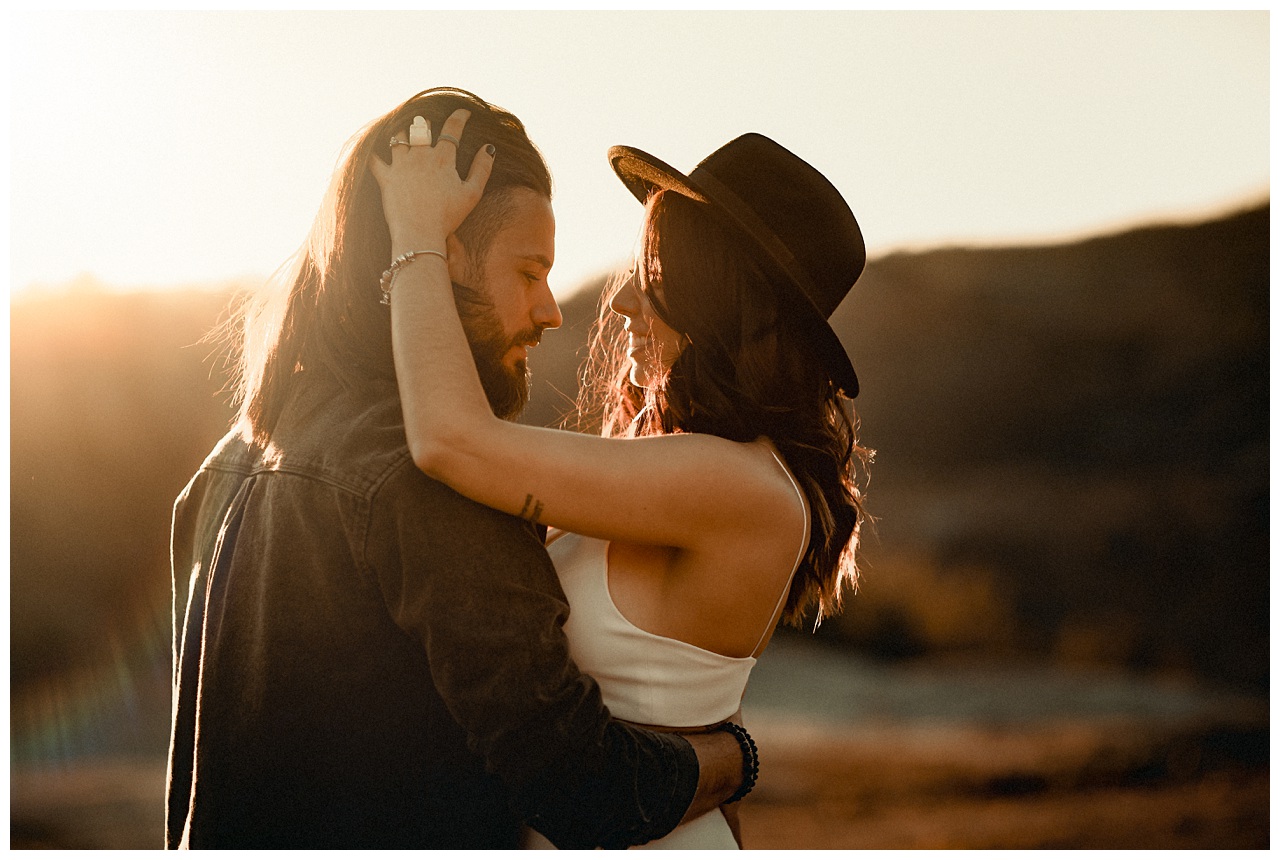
[1073, 451]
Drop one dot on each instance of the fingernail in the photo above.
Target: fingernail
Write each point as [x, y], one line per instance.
[488, 147]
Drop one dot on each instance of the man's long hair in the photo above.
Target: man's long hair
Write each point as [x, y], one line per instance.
[323, 316]
[746, 371]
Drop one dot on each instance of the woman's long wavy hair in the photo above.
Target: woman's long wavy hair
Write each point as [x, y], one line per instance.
[746, 371]
[322, 314]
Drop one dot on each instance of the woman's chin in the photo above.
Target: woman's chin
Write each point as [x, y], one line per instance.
[640, 377]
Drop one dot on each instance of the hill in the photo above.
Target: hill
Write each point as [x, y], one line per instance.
[1072, 454]
[1072, 448]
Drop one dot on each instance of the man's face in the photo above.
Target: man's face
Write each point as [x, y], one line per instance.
[505, 301]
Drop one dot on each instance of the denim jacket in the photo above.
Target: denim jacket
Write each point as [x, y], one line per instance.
[364, 658]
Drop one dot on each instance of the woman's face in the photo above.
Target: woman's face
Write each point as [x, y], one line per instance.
[652, 345]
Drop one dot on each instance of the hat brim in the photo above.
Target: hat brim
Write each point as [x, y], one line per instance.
[644, 174]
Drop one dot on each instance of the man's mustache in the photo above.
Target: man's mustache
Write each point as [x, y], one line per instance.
[528, 337]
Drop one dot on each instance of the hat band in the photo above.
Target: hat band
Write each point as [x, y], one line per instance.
[758, 230]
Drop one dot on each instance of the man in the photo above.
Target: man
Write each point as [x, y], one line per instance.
[367, 659]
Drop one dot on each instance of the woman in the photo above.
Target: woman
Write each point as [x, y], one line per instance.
[721, 497]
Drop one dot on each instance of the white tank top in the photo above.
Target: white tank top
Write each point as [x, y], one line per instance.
[644, 677]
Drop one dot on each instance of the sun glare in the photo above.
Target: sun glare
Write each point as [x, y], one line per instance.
[160, 149]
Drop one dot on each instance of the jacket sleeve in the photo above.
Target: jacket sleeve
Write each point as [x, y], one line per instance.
[477, 588]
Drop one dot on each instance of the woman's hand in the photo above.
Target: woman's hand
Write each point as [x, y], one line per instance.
[423, 198]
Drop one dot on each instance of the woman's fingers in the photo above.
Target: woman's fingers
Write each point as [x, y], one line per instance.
[481, 167]
[421, 189]
[420, 132]
[381, 170]
[451, 131]
[481, 163]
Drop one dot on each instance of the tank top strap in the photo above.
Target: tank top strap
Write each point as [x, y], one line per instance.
[804, 545]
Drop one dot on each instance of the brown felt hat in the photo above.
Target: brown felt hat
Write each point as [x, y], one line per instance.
[790, 212]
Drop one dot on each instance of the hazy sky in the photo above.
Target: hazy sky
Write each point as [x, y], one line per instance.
[157, 149]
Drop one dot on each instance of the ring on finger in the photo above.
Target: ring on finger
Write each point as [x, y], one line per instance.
[395, 141]
[420, 132]
[447, 137]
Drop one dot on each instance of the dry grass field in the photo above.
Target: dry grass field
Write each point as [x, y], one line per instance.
[1081, 787]
[858, 755]
[1007, 790]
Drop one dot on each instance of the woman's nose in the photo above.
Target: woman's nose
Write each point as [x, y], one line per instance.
[626, 300]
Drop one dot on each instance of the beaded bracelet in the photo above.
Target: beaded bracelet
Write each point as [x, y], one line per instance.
[750, 759]
[396, 265]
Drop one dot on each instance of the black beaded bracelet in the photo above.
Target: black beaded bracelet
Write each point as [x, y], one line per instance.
[750, 759]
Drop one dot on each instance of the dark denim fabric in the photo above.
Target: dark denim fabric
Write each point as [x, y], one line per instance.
[368, 659]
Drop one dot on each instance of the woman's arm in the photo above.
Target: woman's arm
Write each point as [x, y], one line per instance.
[675, 490]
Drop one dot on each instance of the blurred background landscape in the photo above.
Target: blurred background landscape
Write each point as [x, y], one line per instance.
[1061, 639]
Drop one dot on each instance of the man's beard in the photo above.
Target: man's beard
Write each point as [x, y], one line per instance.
[507, 388]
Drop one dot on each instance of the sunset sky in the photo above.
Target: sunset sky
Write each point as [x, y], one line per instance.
[164, 149]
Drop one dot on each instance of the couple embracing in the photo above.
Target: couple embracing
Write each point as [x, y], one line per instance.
[403, 620]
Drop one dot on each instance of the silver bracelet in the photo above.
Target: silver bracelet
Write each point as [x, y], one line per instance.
[396, 265]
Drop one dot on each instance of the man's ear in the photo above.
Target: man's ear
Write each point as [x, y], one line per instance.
[457, 259]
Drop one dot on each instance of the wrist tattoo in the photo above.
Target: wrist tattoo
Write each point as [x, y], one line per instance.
[532, 509]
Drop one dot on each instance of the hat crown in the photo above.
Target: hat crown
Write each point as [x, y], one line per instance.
[799, 206]
[788, 212]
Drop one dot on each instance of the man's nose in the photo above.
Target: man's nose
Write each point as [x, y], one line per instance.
[545, 312]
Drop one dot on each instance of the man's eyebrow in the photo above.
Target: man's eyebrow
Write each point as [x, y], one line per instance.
[540, 259]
